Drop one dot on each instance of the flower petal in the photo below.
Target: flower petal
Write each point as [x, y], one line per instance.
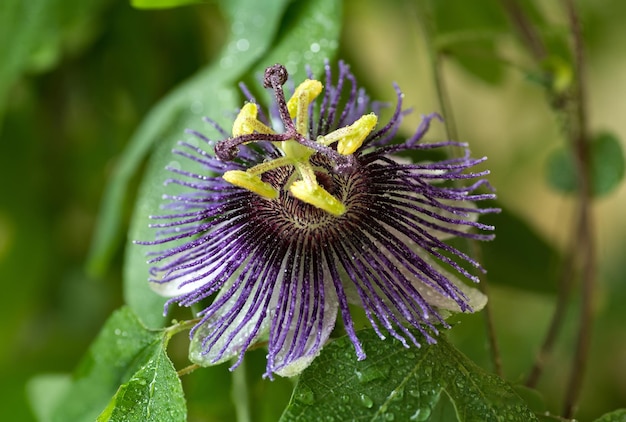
[305, 313]
[230, 330]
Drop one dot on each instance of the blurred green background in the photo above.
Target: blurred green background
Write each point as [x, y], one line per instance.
[84, 74]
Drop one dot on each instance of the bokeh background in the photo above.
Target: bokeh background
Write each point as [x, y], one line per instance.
[98, 66]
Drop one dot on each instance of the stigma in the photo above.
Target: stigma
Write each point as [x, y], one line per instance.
[295, 146]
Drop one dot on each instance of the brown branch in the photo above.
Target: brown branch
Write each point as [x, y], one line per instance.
[565, 289]
[586, 241]
[526, 29]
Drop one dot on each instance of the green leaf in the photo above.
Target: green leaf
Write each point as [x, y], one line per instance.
[518, 257]
[309, 35]
[607, 166]
[162, 4]
[444, 410]
[45, 392]
[123, 347]
[398, 383]
[467, 31]
[615, 416]
[607, 163]
[561, 171]
[154, 393]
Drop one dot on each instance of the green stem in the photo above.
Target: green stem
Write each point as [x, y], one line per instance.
[188, 370]
[180, 326]
[239, 393]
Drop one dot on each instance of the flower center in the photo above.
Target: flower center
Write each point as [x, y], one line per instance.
[309, 184]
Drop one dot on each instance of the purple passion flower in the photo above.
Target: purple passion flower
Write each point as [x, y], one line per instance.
[307, 208]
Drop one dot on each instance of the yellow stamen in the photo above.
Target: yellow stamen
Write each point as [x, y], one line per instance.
[317, 196]
[252, 182]
[298, 104]
[247, 123]
[350, 138]
[304, 185]
[308, 91]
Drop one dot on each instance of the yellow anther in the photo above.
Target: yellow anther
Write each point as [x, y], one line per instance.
[303, 185]
[247, 123]
[317, 196]
[252, 182]
[306, 92]
[359, 130]
[351, 137]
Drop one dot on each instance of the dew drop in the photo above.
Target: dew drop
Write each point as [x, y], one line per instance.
[243, 44]
[226, 62]
[397, 394]
[196, 107]
[175, 165]
[366, 400]
[372, 373]
[292, 67]
[422, 414]
[460, 382]
[428, 371]
[305, 395]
